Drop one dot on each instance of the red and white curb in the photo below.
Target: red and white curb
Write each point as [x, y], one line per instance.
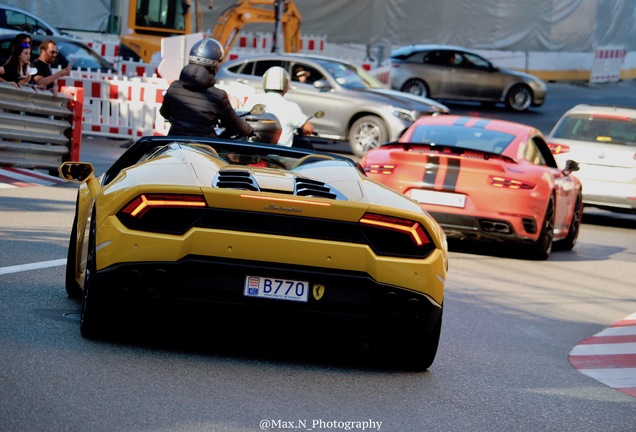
[20, 177]
[610, 356]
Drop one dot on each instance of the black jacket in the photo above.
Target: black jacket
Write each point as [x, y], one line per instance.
[194, 106]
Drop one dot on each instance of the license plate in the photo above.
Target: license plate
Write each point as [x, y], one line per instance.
[279, 289]
[439, 198]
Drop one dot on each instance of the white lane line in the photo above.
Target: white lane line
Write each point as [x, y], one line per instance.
[594, 349]
[32, 266]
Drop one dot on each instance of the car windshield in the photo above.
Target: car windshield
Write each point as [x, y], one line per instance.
[458, 136]
[349, 76]
[80, 57]
[598, 129]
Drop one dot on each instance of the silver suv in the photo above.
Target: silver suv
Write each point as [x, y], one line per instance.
[358, 109]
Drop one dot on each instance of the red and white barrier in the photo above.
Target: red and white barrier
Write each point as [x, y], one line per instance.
[608, 62]
[120, 107]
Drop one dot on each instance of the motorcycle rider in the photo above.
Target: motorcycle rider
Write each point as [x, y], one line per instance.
[193, 105]
[291, 117]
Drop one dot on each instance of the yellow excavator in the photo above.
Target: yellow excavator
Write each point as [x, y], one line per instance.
[148, 21]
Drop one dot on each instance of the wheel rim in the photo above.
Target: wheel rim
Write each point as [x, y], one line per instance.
[367, 136]
[415, 87]
[520, 98]
[548, 226]
[576, 221]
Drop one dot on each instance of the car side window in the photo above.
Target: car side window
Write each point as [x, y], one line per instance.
[537, 152]
[436, 58]
[19, 21]
[260, 67]
[475, 62]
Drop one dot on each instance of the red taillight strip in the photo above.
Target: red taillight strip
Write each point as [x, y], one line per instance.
[141, 204]
[558, 148]
[412, 228]
[509, 183]
[610, 117]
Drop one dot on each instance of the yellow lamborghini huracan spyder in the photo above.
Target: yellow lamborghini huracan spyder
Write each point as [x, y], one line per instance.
[260, 230]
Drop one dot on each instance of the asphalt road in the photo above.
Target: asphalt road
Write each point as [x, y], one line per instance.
[509, 325]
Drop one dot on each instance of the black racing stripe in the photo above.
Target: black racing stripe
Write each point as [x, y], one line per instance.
[481, 123]
[452, 173]
[432, 168]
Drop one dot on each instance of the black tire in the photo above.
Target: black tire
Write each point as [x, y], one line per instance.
[413, 352]
[366, 133]
[73, 288]
[417, 87]
[91, 316]
[569, 241]
[542, 247]
[519, 97]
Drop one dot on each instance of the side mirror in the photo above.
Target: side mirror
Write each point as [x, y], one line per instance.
[76, 171]
[322, 85]
[570, 167]
[258, 109]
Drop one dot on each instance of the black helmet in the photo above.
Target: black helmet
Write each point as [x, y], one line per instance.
[208, 53]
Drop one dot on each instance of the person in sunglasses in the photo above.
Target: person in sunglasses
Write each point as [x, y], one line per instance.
[45, 76]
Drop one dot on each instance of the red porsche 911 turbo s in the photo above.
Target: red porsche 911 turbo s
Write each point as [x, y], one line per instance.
[484, 179]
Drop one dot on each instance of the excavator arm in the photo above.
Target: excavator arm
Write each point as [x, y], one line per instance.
[232, 20]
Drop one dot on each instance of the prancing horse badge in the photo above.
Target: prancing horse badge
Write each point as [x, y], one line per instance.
[318, 291]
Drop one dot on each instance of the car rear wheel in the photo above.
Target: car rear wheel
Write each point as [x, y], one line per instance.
[573, 232]
[541, 248]
[416, 86]
[92, 312]
[367, 133]
[73, 288]
[413, 352]
[519, 97]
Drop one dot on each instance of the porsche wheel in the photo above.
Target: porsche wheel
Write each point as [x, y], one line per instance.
[73, 288]
[413, 352]
[91, 316]
[573, 231]
[519, 97]
[367, 133]
[416, 86]
[541, 248]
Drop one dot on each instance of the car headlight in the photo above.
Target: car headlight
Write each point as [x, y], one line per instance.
[404, 114]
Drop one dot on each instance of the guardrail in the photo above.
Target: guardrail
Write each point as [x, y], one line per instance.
[39, 129]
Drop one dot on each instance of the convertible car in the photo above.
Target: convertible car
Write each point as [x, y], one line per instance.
[268, 233]
[484, 179]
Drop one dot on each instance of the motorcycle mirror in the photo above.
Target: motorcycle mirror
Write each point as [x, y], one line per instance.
[257, 109]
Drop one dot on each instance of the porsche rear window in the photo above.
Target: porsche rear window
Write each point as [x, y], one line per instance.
[459, 136]
[598, 129]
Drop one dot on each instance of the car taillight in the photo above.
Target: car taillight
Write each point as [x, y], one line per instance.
[380, 169]
[414, 229]
[140, 205]
[556, 149]
[508, 183]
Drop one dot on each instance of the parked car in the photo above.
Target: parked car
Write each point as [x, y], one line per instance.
[14, 19]
[358, 109]
[71, 50]
[261, 233]
[484, 179]
[448, 72]
[602, 139]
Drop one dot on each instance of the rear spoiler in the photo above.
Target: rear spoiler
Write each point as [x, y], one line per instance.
[447, 149]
